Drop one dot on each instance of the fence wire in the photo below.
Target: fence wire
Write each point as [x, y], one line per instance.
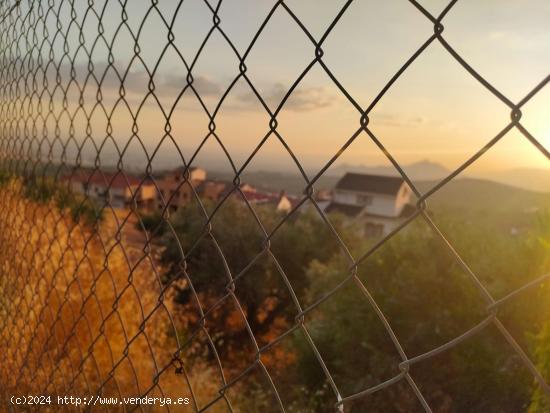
[58, 294]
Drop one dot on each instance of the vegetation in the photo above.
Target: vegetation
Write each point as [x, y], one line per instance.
[233, 258]
[80, 293]
[46, 190]
[426, 295]
[541, 402]
[70, 314]
[429, 299]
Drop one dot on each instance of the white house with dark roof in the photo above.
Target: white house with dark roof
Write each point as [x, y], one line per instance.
[378, 203]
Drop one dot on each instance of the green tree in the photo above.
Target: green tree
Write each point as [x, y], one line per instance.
[540, 401]
[428, 299]
[234, 246]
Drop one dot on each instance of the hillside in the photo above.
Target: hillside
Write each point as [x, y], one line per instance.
[462, 193]
[534, 179]
[478, 194]
[276, 181]
[528, 178]
[423, 170]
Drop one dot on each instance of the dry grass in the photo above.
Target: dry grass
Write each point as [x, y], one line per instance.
[80, 310]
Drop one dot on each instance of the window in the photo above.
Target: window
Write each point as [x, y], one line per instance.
[373, 230]
[364, 199]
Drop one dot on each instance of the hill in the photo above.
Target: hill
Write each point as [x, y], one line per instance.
[479, 194]
[423, 170]
[528, 178]
[461, 193]
[277, 181]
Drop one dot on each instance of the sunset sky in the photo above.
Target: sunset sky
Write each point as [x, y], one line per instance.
[435, 111]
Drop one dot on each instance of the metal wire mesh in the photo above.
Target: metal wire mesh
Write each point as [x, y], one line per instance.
[47, 95]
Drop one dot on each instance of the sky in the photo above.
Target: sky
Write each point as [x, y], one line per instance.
[436, 110]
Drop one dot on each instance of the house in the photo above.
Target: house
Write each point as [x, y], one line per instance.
[175, 187]
[378, 203]
[214, 190]
[280, 201]
[217, 190]
[178, 187]
[116, 189]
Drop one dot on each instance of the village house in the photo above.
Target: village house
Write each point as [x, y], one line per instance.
[378, 204]
[177, 190]
[280, 201]
[214, 190]
[175, 187]
[118, 190]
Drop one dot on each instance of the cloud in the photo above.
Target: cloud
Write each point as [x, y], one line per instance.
[165, 84]
[169, 85]
[301, 99]
[388, 119]
[135, 81]
[497, 35]
[109, 76]
[529, 39]
[203, 85]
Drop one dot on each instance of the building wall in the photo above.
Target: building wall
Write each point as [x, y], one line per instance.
[284, 204]
[345, 197]
[175, 193]
[380, 204]
[386, 205]
[119, 197]
[77, 187]
[403, 198]
[388, 224]
[97, 192]
[197, 174]
[148, 192]
[175, 190]
[212, 190]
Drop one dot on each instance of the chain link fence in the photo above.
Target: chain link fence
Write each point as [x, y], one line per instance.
[90, 306]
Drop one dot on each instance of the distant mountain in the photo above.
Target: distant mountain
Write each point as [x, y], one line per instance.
[526, 178]
[423, 170]
[475, 194]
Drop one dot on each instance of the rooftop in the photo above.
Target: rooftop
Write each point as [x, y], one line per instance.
[119, 180]
[345, 209]
[378, 184]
